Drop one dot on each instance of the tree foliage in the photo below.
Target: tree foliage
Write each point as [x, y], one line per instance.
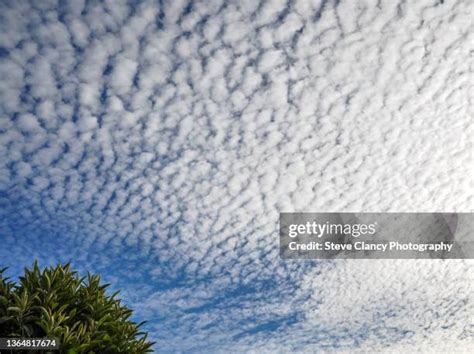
[78, 312]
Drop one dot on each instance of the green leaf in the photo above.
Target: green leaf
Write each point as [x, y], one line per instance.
[14, 309]
[4, 319]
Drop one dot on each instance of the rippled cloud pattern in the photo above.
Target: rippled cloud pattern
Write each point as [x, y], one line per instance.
[156, 142]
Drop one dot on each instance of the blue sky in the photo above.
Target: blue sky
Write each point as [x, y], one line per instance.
[156, 142]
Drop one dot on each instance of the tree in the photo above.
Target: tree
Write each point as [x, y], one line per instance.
[77, 311]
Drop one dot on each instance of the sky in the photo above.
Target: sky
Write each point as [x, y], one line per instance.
[156, 143]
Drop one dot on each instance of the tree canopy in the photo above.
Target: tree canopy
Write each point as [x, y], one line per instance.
[77, 311]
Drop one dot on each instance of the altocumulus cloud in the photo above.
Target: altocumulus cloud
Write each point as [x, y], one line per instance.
[156, 142]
